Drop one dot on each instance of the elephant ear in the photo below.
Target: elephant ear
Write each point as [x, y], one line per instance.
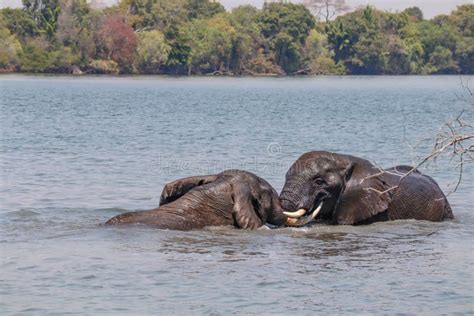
[244, 212]
[176, 189]
[362, 201]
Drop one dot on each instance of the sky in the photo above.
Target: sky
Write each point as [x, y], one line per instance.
[429, 7]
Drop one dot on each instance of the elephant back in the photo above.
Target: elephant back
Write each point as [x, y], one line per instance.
[418, 197]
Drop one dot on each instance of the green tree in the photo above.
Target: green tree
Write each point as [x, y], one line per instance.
[34, 56]
[413, 47]
[19, 22]
[170, 14]
[437, 40]
[211, 45]
[45, 13]
[180, 55]
[74, 30]
[465, 55]
[398, 62]
[141, 13]
[198, 36]
[318, 58]
[10, 50]
[285, 27]
[463, 20]
[359, 41]
[441, 62]
[201, 9]
[63, 59]
[247, 40]
[152, 51]
[415, 13]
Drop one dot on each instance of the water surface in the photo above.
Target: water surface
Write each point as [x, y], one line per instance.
[77, 151]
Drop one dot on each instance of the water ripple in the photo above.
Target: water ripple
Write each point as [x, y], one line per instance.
[77, 151]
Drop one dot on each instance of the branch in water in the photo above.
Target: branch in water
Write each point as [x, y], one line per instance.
[454, 138]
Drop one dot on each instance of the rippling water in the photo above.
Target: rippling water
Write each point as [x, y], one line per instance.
[77, 151]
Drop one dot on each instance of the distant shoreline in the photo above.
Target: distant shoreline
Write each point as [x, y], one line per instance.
[202, 38]
[59, 74]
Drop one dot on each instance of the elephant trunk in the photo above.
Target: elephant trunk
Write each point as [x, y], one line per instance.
[288, 198]
[277, 216]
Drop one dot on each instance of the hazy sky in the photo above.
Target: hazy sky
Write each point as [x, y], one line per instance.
[429, 7]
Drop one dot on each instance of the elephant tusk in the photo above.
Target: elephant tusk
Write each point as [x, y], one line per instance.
[296, 214]
[291, 221]
[298, 222]
[316, 211]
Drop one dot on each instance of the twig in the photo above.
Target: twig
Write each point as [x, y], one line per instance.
[455, 135]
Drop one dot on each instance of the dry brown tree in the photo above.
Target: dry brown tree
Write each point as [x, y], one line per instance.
[326, 9]
[455, 138]
[454, 141]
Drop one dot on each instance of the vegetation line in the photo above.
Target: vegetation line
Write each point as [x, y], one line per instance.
[189, 37]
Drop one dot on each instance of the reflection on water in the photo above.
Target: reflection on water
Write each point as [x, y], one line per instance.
[76, 152]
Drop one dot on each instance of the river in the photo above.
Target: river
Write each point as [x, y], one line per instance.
[77, 151]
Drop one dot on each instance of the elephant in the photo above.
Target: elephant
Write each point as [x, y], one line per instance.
[347, 190]
[233, 197]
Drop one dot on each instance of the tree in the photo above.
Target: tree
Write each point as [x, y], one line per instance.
[211, 45]
[327, 9]
[19, 22]
[398, 62]
[248, 40]
[152, 51]
[170, 14]
[171, 18]
[10, 50]
[63, 59]
[45, 13]
[359, 42]
[262, 64]
[70, 22]
[141, 14]
[180, 40]
[118, 41]
[465, 55]
[73, 36]
[439, 42]
[369, 55]
[415, 13]
[287, 53]
[199, 9]
[285, 27]
[34, 56]
[318, 59]
[463, 19]
[198, 36]
[295, 20]
[441, 62]
[412, 45]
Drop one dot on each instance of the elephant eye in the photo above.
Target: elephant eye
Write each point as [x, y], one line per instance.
[319, 181]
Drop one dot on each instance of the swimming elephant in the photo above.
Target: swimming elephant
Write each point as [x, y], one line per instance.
[233, 197]
[348, 190]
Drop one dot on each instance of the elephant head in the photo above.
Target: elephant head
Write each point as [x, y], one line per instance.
[334, 187]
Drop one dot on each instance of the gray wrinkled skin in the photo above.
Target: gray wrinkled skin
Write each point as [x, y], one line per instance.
[353, 191]
[233, 197]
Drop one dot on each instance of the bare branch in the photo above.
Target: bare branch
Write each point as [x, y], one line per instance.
[326, 9]
[455, 139]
